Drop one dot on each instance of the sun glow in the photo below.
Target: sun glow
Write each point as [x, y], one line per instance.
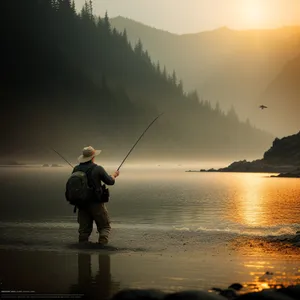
[252, 13]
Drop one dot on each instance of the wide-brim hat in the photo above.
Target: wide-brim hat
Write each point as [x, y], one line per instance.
[87, 154]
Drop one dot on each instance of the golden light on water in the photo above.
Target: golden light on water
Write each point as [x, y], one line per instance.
[259, 201]
[269, 280]
[262, 260]
[251, 201]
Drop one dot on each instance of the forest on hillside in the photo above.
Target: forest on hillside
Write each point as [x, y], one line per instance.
[244, 68]
[69, 80]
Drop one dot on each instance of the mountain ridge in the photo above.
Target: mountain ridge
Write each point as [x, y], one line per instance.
[80, 82]
[225, 66]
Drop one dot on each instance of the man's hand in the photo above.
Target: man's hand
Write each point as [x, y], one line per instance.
[115, 174]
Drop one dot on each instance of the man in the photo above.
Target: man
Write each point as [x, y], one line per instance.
[95, 211]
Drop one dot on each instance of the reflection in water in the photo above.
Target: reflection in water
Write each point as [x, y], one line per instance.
[270, 279]
[251, 206]
[260, 201]
[262, 260]
[219, 205]
[100, 286]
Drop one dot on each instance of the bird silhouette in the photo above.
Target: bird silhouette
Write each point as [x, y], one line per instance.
[263, 107]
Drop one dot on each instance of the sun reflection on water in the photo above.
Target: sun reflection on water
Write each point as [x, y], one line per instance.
[262, 260]
[270, 280]
[258, 201]
[251, 201]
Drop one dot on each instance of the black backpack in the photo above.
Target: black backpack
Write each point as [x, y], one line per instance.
[78, 192]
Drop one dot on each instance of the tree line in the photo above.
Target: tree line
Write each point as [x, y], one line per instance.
[71, 79]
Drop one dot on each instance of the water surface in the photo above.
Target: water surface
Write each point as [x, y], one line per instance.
[175, 230]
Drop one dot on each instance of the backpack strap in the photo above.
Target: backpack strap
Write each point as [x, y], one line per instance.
[87, 171]
[76, 168]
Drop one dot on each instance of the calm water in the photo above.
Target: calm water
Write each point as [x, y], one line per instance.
[156, 200]
[170, 225]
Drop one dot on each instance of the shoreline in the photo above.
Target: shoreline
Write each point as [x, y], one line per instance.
[254, 263]
[257, 166]
[279, 175]
[274, 173]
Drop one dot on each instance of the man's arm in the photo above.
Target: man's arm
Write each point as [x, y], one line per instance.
[107, 179]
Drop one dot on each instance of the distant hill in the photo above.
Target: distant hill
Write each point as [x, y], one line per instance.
[226, 66]
[284, 151]
[71, 80]
[282, 157]
[282, 96]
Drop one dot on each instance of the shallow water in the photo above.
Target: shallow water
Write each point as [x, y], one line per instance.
[186, 230]
[159, 199]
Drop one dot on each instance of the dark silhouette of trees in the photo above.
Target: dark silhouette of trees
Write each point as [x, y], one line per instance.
[65, 72]
[138, 49]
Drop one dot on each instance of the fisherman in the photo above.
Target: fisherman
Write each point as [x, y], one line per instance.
[84, 184]
[95, 210]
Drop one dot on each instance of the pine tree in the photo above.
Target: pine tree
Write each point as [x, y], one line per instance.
[180, 87]
[174, 78]
[73, 7]
[158, 68]
[90, 8]
[99, 22]
[107, 23]
[138, 49]
[232, 115]
[84, 11]
[147, 57]
[193, 96]
[217, 108]
[124, 35]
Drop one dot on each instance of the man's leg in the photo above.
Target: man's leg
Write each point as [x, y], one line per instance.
[85, 221]
[102, 221]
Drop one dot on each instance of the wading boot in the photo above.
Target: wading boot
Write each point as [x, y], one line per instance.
[102, 240]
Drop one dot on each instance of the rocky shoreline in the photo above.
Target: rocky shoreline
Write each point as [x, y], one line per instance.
[257, 166]
[293, 174]
[293, 240]
[234, 291]
[283, 158]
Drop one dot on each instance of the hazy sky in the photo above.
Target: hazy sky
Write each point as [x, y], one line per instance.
[189, 16]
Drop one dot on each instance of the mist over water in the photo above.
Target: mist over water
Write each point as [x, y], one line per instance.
[171, 230]
[157, 201]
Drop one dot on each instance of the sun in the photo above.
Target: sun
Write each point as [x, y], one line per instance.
[252, 13]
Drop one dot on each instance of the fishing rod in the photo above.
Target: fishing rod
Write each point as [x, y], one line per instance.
[138, 140]
[127, 153]
[61, 157]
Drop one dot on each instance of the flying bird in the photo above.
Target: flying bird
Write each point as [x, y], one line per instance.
[263, 107]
